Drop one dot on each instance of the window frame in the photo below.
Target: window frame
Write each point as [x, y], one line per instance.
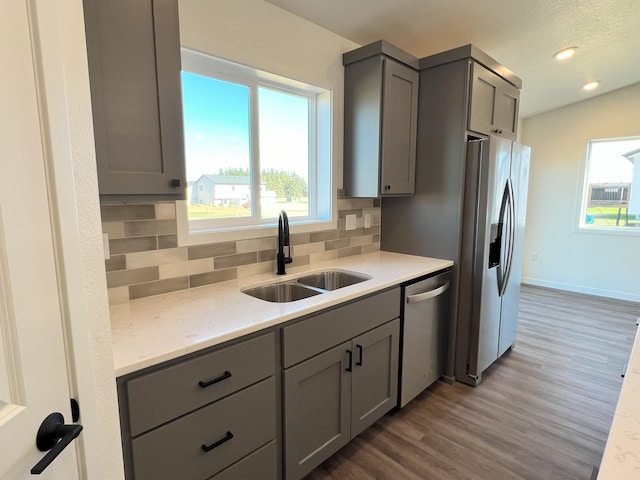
[583, 202]
[321, 214]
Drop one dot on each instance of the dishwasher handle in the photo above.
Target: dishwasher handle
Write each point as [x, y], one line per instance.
[421, 297]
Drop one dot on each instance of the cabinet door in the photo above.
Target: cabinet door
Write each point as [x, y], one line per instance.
[316, 410]
[494, 103]
[134, 68]
[374, 383]
[399, 127]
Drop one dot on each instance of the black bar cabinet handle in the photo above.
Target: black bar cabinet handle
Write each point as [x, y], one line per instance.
[349, 368]
[228, 436]
[359, 362]
[224, 376]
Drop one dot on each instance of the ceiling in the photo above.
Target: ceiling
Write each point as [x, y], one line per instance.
[523, 35]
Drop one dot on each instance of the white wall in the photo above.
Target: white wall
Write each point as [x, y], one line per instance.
[567, 258]
[262, 36]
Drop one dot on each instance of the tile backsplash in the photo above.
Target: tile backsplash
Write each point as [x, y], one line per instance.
[146, 259]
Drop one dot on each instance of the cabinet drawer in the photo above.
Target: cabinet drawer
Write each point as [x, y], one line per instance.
[260, 465]
[321, 332]
[161, 396]
[175, 450]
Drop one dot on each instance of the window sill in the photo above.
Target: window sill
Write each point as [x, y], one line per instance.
[187, 238]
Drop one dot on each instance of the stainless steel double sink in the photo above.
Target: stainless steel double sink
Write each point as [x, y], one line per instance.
[306, 286]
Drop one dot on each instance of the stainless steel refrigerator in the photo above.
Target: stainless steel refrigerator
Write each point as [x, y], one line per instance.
[475, 216]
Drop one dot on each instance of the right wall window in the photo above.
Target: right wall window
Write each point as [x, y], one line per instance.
[611, 195]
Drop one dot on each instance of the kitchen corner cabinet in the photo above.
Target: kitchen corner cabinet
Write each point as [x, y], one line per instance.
[380, 122]
[494, 104]
[342, 376]
[133, 52]
[213, 415]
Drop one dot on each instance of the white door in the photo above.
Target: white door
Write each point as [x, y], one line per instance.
[33, 371]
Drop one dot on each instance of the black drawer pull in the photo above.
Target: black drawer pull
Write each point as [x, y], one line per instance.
[226, 438]
[359, 362]
[224, 376]
[350, 367]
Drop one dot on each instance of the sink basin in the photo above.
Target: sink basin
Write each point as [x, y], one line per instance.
[281, 292]
[331, 280]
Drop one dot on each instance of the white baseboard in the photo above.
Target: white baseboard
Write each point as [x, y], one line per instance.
[582, 289]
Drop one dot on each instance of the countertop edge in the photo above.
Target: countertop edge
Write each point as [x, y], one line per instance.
[127, 336]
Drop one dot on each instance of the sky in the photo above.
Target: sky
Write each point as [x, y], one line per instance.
[217, 133]
[606, 163]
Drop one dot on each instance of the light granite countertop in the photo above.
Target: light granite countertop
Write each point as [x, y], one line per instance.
[155, 329]
[621, 459]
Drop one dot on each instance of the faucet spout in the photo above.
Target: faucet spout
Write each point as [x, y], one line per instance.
[283, 241]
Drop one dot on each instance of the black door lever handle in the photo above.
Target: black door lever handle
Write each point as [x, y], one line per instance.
[54, 436]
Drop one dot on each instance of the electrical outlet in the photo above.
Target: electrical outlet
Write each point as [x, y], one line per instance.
[534, 257]
[367, 220]
[350, 221]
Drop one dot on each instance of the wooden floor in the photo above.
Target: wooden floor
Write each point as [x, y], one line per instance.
[542, 411]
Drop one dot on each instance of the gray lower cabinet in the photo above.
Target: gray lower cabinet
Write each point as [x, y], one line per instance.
[333, 396]
[380, 121]
[213, 415]
[133, 52]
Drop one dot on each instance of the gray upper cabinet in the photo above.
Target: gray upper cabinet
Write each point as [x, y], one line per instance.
[493, 109]
[134, 68]
[380, 121]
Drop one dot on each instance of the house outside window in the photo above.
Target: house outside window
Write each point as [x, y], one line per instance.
[255, 144]
[611, 194]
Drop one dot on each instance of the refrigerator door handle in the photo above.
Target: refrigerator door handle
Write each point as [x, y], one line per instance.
[502, 255]
[511, 237]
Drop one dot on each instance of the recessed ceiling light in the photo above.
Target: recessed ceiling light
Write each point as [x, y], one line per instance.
[565, 53]
[591, 86]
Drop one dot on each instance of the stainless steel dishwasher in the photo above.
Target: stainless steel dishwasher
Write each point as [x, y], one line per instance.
[425, 334]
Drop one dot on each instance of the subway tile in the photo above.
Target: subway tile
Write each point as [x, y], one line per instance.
[347, 252]
[361, 240]
[111, 213]
[323, 256]
[116, 262]
[149, 227]
[341, 225]
[167, 241]
[187, 268]
[267, 255]
[355, 203]
[376, 202]
[300, 261]
[235, 260]
[300, 238]
[376, 238]
[160, 286]
[351, 233]
[156, 257]
[307, 248]
[165, 210]
[132, 276]
[256, 244]
[113, 229]
[256, 268]
[335, 244]
[212, 277]
[118, 295]
[374, 230]
[324, 235]
[129, 245]
[354, 211]
[212, 250]
[372, 247]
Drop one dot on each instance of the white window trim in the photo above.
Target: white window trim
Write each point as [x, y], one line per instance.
[583, 192]
[325, 215]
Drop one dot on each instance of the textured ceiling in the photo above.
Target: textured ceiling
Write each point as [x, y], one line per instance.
[521, 34]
